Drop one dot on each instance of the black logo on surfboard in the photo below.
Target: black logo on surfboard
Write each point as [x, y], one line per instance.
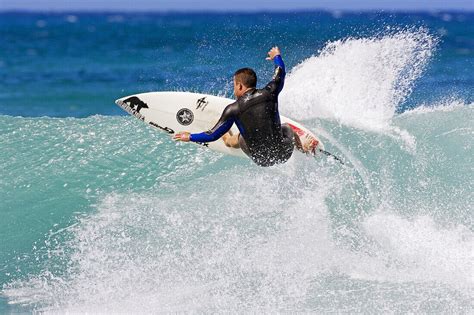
[201, 103]
[168, 130]
[135, 103]
[184, 116]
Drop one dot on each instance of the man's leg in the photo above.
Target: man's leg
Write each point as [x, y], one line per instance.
[236, 142]
[289, 134]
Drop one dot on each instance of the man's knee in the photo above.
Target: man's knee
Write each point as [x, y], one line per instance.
[231, 141]
[287, 131]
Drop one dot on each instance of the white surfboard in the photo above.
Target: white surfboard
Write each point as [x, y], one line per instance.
[172, 112]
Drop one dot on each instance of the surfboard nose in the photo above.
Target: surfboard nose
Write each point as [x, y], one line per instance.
[119, 101]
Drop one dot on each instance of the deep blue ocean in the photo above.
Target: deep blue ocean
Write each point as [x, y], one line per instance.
[101, 214]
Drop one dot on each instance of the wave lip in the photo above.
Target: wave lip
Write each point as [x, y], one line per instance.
[359, 82]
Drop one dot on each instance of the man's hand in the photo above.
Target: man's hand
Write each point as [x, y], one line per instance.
[275, 51]
[181, 136]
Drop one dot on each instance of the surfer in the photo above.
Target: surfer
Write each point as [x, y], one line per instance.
[255, 112]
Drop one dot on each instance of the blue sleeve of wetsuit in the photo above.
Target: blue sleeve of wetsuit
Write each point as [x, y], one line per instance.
[279, 63]
[276, 85]
[222, 126]
[214, 133]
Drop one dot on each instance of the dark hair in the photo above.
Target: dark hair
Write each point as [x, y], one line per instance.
[246, 76]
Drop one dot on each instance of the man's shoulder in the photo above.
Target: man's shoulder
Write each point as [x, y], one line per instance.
[256, 94]
[259, 96]
[269, 90]
[260, 92]
[232, 108]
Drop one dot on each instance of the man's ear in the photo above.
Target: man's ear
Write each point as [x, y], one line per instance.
[241, 87]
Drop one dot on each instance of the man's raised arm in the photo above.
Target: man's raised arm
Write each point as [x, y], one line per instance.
[278, 80]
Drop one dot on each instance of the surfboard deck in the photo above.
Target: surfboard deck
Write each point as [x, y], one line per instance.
[172, 112]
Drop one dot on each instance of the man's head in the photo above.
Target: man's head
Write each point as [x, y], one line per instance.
[244, 79]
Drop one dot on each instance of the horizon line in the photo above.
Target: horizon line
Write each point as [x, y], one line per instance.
[200, 11]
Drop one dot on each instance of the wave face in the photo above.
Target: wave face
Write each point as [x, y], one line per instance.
[157, 227]
[124, 220]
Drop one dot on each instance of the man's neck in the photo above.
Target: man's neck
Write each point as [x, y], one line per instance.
[247, 90]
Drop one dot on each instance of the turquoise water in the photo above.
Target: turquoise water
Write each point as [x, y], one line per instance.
[101, 213]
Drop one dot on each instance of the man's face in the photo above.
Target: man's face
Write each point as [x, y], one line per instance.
[238, 89]
[235, 88]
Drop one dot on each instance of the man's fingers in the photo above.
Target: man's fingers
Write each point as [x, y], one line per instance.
[177, 137]
[182, 136]
[273, 52]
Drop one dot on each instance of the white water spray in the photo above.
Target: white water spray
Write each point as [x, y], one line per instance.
[358, 82]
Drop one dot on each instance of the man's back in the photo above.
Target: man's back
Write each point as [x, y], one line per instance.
[259, 123]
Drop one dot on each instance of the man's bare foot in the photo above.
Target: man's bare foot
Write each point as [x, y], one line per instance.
[304, 142]
[298, 144]
[310, 144]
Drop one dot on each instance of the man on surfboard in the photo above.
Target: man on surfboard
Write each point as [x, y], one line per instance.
[255, 112]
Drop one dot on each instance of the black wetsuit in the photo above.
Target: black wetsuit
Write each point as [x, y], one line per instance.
[255, 113]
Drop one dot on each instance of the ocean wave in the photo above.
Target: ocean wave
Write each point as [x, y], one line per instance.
[155, 225]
